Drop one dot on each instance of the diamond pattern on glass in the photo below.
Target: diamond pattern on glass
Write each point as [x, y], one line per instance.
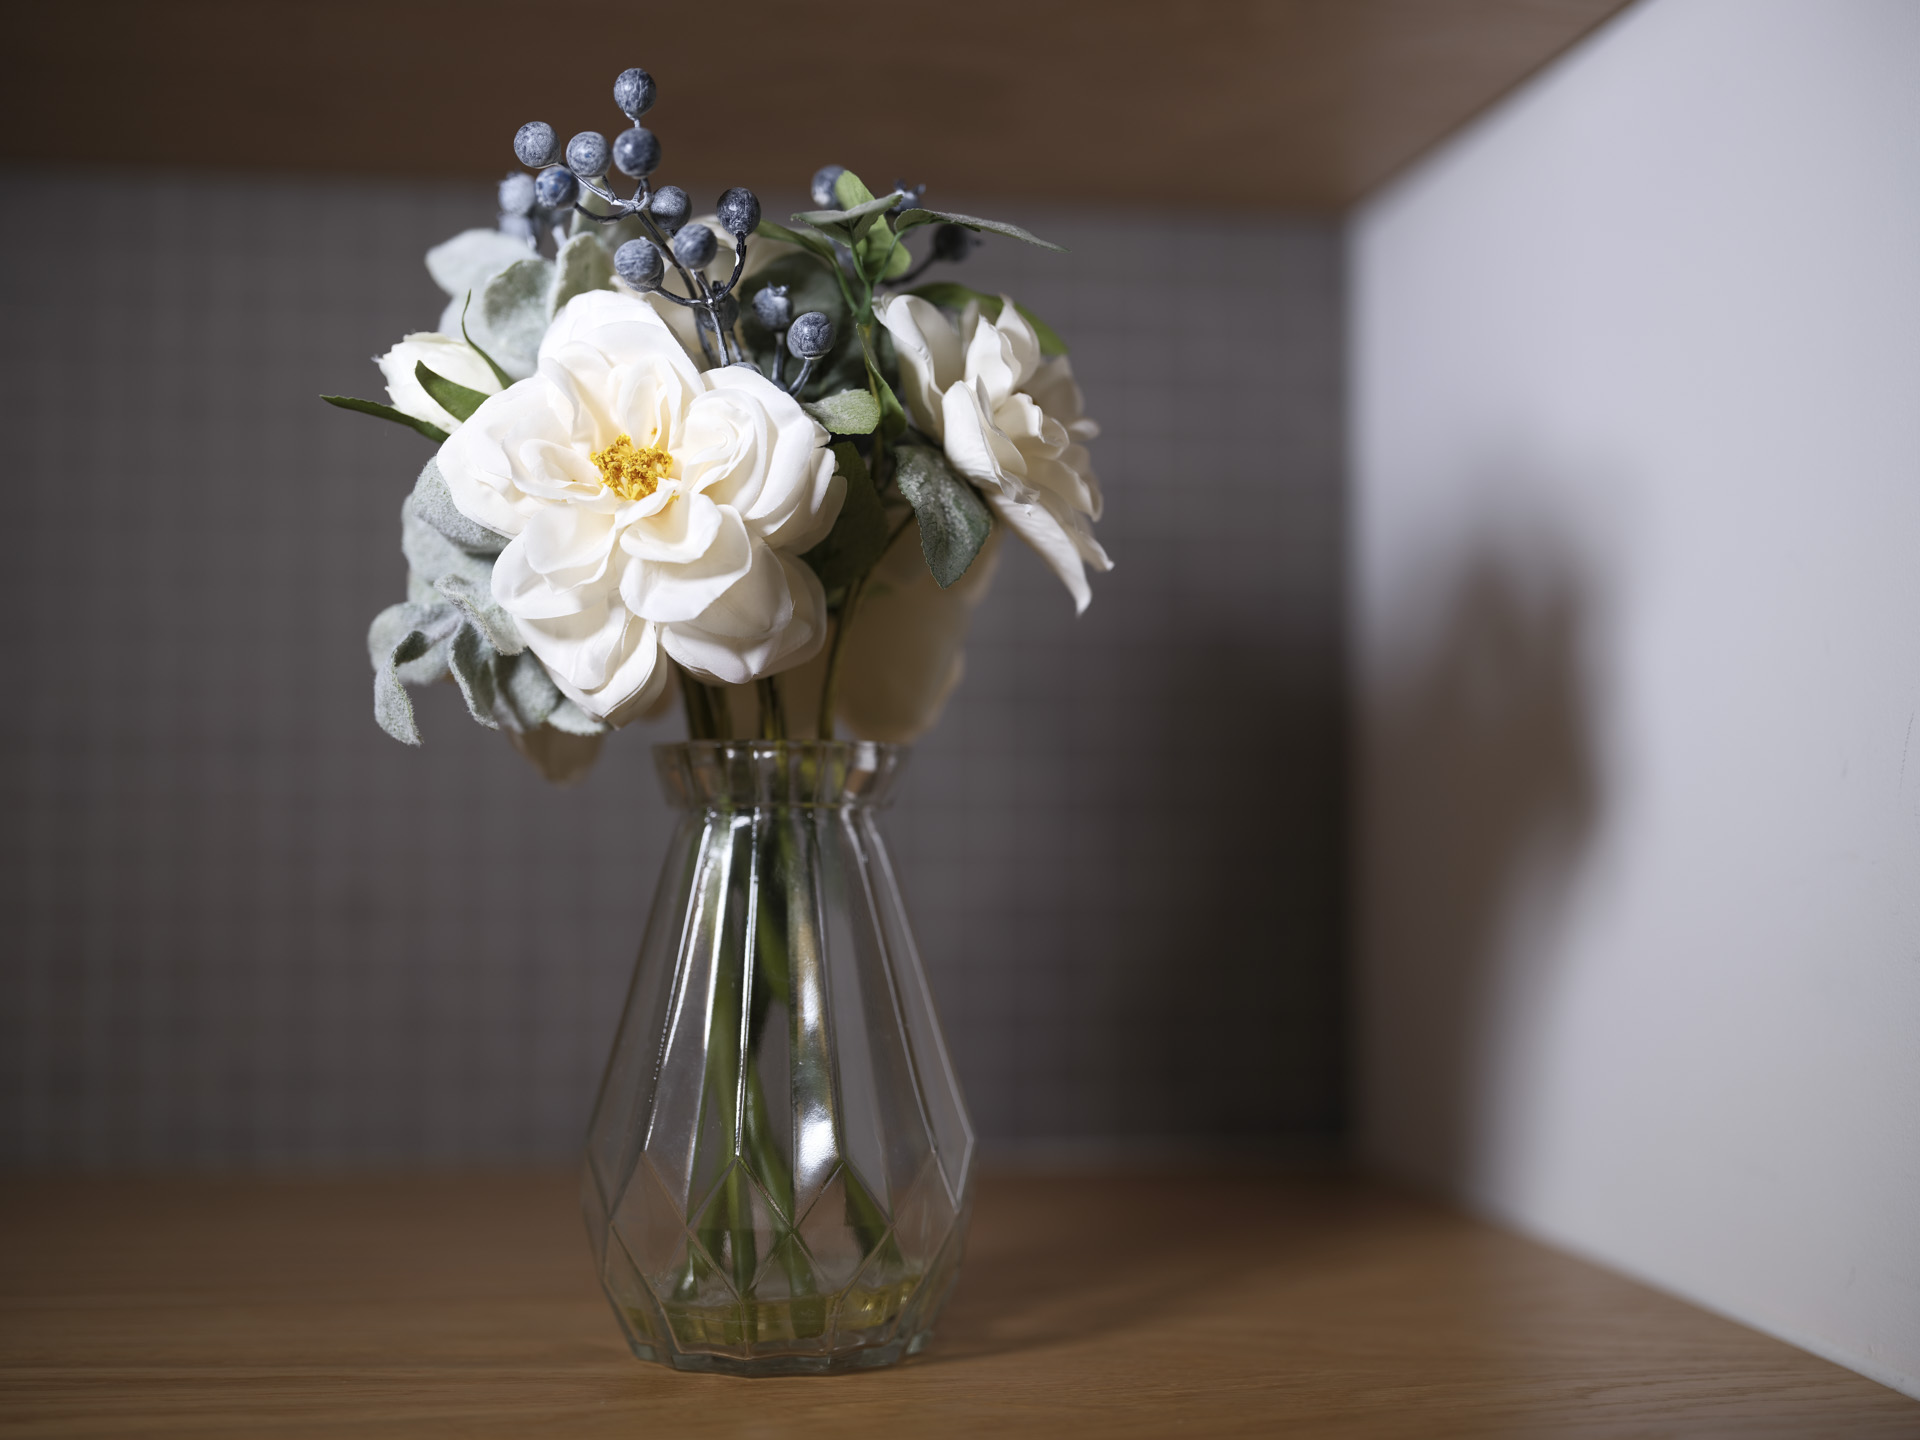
[792, 1146]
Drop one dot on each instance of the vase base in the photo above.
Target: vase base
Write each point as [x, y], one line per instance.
[866, 1357]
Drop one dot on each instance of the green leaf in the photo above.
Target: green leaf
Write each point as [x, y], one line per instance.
[850, 190]
[899, 261]
[893, 419]
[851, 224]
[850, 412]
[973, 222]
[387, 412]
[809, 239]
[954, 521]
[451, 396]
[498, 374]
[949, 296]
[859, 535]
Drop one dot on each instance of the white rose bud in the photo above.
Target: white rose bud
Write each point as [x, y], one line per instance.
[447, 357]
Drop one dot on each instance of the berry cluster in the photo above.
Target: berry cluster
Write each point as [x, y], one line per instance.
[529, 202]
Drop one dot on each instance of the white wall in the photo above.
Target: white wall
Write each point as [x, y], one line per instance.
[1636, 367]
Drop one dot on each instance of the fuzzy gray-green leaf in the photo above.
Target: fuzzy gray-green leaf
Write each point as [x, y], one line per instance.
[432, 502]
[471, 660]
[571, 719]
[527, 688]
[849, 412]
[513, 314]
[433, 618]
[583, 264]
[391, 707]
[954, 521]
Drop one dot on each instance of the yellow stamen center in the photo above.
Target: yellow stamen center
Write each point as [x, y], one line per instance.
[632, 472]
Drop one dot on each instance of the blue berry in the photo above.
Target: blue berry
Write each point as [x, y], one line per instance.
[739, 211]
[633, 92]
[695, 246]
[823, 182]
[640, 264]
[555, 189]
[952, 242]
[810, 336]
[637, 152]
[772, 307]
[669, 208]
[587, 154]
[516, 194]
[535, 144]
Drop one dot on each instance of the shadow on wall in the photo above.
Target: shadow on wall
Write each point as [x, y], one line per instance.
[1479, 798]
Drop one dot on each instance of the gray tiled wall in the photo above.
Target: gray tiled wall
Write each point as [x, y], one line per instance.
[239, 925]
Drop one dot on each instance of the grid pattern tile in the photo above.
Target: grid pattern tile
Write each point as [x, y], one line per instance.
[242, 926]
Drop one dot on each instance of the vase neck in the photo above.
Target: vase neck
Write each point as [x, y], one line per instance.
[762, 774]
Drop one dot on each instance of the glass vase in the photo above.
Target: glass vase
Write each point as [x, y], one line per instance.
[779, 1162]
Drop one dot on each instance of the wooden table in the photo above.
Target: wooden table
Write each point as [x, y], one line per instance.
[464, 1305]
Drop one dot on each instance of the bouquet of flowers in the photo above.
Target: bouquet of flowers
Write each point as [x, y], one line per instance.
[759, 466]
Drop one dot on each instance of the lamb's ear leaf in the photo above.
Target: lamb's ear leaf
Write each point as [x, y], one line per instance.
[954, 521]
[583, 264]
[950, 296]
[911, 218]
[387, 412]
[471, 660]
[450, 395]
[391, 706]
[847, 412]
[859, 535]
[571, 719]
[492, 364]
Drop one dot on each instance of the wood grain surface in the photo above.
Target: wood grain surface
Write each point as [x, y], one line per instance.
[464, 1305]
[1225, 103]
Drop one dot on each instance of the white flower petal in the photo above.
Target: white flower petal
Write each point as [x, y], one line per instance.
[678, 531]
[1051, 539]
[688, 590]
[975, 447]
[930, 356]
[732, 659]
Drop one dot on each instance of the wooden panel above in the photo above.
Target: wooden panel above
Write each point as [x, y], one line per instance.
[1300, 104]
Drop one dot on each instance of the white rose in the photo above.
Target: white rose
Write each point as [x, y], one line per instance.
[654, 510]
[447, 357]
[1011, 422]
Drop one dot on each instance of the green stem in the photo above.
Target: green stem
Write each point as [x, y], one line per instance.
[773, 715]
[831, 678]
[693, 698]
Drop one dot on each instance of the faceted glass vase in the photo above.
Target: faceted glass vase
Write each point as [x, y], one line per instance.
[779, 1163]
